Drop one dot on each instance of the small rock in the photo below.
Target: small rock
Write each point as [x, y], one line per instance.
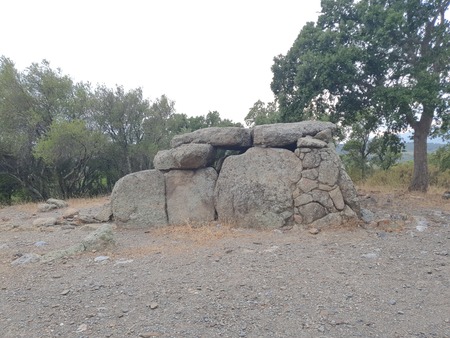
[392, 302]
[81, 328]
[101, 258]
[57, 203]
[313, 231]
[26, 258]
[44, 207]
[101, 238]
[105, 214]
[40, 243]
[45, 222]
[153, 305]
[70, 213]
[65, 292]
[370, 255]
[367, 216]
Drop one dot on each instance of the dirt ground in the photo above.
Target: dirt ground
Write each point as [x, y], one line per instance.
[389, 277]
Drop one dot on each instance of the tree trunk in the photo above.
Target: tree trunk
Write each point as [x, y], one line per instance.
[422, 128]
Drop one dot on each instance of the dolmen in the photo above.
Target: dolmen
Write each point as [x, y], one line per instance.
[269, 177]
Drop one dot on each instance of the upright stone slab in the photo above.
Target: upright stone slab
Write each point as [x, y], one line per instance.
[285, 134]
[190, 195]
[255, 189]
[229, 137]
[138, 200]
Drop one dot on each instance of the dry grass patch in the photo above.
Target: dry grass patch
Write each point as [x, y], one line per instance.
[179, 239]
[80, 203]
[201, 234]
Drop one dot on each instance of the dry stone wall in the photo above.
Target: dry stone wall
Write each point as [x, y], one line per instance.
[285, 175]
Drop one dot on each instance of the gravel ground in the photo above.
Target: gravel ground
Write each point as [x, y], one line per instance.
[389, 277]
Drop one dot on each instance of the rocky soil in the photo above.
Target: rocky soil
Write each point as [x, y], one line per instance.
[387, 277]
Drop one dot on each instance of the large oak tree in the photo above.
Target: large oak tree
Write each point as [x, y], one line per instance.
[388, 60]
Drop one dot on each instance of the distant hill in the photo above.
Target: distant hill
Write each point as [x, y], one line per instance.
[408, 154]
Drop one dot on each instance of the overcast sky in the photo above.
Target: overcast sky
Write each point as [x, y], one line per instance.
[205, 55]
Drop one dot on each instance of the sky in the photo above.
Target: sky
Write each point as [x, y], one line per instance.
[205, 55]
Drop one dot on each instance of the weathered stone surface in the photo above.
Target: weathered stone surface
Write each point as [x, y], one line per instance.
[186, 156]
[348, 191]
[312, 211]
[311, 160]
[312, 174]
[58, 203]
[138, 200]
[283, 134]
[190, 195]
[255, 189]
[44, 207]
[325, 135]
[302, 200]
[229, 137]
[323, 198]
[309, 142]
[100, 239]
[26, 259]
[367, 216]
[105, 214]
[45, 222]
[337, 198]
[329, 167]
[70, 213]
[307, 184]
[332, 219]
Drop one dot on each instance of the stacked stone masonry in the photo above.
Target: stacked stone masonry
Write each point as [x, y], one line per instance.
[282, 175]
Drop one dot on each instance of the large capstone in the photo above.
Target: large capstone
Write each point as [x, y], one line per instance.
[187, 156]
[286, 134]
[229, 138]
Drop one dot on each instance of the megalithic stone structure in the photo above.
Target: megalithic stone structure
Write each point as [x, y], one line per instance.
[279, 175]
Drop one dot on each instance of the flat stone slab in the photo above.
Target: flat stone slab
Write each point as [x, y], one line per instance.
[186, 156]
[228, 137]
[284, 134]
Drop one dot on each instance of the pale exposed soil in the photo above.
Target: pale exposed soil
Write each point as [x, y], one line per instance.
[390, 278]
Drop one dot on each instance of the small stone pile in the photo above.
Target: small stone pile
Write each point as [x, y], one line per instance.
[281, 175]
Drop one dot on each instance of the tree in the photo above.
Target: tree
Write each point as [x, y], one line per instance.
[387, 150]
[29, 102]
[262, 113]
[387, 58]
[121, 116]
[72, 150]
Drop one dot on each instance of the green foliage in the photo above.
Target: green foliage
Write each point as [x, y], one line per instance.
[262, 113]
[72, 150]
[63, 139]
[387, 59]
[441, 158]
[364, 153]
